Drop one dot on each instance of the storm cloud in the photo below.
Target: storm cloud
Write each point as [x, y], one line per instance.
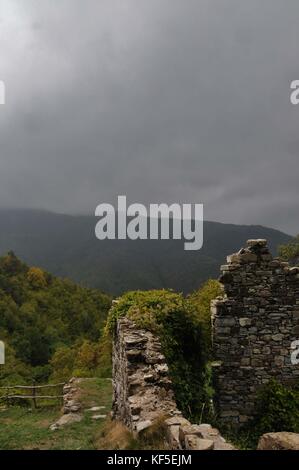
[159, 100]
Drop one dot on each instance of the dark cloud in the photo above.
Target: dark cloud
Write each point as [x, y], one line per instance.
[161, 100]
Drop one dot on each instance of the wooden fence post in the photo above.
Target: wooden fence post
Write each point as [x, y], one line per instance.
[34, 394]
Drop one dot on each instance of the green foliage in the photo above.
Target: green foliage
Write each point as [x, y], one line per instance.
[36, 278]
[201, 302]
[277, 409]
[147, 308]
[41, 374]
[104, 359]
[62, 364]
[175, 320]
[15, 371]
[290, 251]
[85, 359]
[47, 323]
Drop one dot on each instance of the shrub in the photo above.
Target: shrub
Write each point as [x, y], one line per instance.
[201, 303]
[104, 366]
[290, 251]
[277, 409]
[115, 436]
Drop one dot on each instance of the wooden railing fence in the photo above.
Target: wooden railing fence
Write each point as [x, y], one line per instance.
[11, 393]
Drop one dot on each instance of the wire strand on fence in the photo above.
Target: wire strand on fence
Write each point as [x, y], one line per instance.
[31, 386]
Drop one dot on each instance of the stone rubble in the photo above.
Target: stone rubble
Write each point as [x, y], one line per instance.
[279, 441]
[72, 407]
[65, 420]
[71, 402]
[96, 408]
[96, 417]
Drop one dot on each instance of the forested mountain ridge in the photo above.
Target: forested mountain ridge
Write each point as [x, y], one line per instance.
[44, 320]
[66, 246]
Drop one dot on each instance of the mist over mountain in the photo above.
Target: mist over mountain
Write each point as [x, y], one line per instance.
[66, 246]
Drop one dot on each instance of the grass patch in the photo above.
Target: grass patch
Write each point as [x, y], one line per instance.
[89, 394]
[25, 428]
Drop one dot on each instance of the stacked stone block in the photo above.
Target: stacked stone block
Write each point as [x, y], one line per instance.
[142, 389]
[254, 326]
[142, 392]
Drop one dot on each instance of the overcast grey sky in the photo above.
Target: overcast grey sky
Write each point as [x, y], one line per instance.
[160, 100]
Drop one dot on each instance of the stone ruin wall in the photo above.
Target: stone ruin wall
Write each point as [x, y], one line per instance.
[254, 326]
[141, 386]
[142, 392]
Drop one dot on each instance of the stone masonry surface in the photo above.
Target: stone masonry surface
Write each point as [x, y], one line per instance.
[254, 326]
[141, 386]
[142, 392]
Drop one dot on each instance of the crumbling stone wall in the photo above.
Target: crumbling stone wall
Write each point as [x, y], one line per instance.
[254, 326]
[141, 387]
[142, 392]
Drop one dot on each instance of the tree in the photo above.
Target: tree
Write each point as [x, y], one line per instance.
[14, 371]
[36, 278]
[62, 364]
[290, 251]
[11, 265]
[39, 314]
[87, 356]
